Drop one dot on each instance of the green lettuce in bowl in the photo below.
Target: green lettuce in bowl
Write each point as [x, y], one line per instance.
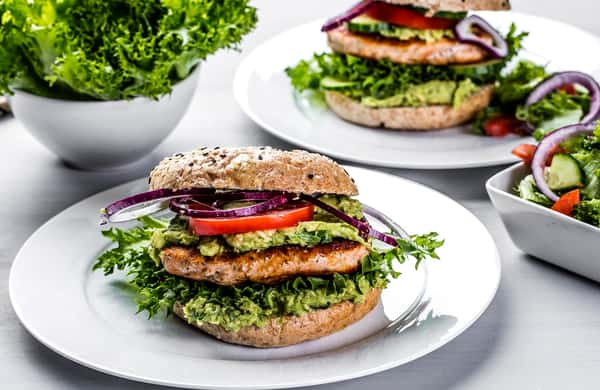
[112, 49]
[102, 82]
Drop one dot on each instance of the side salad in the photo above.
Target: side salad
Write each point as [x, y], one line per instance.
[529, 100]
[565, 174]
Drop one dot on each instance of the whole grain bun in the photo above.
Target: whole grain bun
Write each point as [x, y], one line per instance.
[253, 168]
[290, 330]
[456, 5]
[409, 118]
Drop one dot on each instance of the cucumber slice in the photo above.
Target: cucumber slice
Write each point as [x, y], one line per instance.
[564, 173]
[451, 15]
[332, 84]
[366, 25]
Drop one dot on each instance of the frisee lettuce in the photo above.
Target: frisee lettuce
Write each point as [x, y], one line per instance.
[112, 49]
[588, 211]
[158, 290]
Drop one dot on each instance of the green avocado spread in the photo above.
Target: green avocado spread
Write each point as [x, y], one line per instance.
[406, 34]
[297, 297]
[323, 229]
[427, 94]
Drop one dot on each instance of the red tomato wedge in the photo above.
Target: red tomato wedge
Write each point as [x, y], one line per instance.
[272, 220]
[525, 152]
[569, 89]
[402, 16]
[567, 202]
[501, 125]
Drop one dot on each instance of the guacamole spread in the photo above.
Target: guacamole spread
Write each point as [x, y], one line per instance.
[406, 34]
[234, 311]
[427, 94]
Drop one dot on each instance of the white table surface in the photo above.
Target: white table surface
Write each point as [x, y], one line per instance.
[541, 332]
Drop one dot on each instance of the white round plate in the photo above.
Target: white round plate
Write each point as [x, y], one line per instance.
[91, 319]
[264, 92]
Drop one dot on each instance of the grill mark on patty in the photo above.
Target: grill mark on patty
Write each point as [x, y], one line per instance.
[269, 266]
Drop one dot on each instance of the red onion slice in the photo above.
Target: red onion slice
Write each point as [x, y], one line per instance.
[350, 14]
[363, 227]
[146, 203]
[181, 206]
[464, 33]
[561, 79]
[387, 221]
[547, 146]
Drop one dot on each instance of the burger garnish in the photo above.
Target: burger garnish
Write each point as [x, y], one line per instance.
[256, 245]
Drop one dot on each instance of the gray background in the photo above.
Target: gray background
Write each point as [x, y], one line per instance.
[541, 332]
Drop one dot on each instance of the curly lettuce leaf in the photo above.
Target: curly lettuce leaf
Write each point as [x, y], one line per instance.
[554, 111]
[112, 49]
[511, 91]
[527, 189]
[515, 87]
[588, 211]
[590, 164]
[158, 290]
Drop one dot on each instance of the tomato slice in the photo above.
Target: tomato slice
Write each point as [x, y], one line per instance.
[525, 152]
[407, 17]
[567, 202]
[271, 220]
[501, 125]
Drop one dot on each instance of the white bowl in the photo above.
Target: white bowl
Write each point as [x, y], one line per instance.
[103, 134]
[541, 232]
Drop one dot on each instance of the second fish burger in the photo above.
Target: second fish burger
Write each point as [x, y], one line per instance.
[409, 64]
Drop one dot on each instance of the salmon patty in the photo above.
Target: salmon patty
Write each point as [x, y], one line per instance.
[441, 52]
[270, 266]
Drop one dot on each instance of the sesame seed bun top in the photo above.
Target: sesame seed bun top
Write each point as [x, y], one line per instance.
[254, 169]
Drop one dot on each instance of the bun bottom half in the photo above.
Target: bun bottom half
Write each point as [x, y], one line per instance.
[290, 330]
[409, 118]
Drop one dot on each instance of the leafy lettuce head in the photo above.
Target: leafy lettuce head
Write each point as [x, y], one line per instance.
[112, 49]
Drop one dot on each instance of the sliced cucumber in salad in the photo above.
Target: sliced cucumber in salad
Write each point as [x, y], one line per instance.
[364, 24]
[564, 173]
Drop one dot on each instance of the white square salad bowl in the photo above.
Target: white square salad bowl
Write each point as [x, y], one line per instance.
[541, 232]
